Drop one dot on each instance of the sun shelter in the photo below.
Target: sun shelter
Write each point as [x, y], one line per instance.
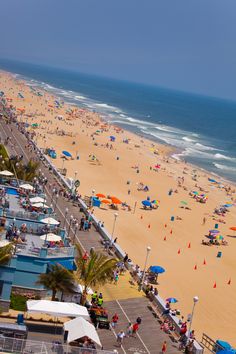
[57, 309]
[40, 205]
[79, 328]
[37, 200]
[6, 173]
[50, 221]
[50, 237]
[27, 186]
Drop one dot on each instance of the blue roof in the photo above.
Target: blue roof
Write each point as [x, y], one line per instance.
[70, 265]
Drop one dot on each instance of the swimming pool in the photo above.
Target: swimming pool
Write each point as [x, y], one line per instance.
[12, 191]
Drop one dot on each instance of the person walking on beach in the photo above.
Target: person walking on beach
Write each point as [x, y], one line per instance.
[120, 337]
[164, 348]
[129, 330]
[114, 320]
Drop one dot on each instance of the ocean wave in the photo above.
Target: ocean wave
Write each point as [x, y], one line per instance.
[224, 167]
[223, 157]
[205, 147]
[166, 128]
[105, 105]
[185, 138]
[80, 97]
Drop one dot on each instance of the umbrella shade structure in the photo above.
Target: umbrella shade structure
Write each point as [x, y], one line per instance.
[50, 237]
[171, 300]
[157, 269]
[6, 173]
[155, 201]
[184, 202]
[50, 221]
[116, 200]
[57, 309]
[40, 205]
[27, 187]
[227, 205]
[214, 231]
[66, 153]
[212, 180]
[105, 201]
[233, 228]
[79, 328]
[100, 195]
[147, 203]
[37, 200]
[195, 193]
[226, 351]
[4, 243]
[223, 344]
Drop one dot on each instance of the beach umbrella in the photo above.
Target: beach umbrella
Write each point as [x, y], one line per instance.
[233, 228]
[105, 201]
[37, 200]
[6, 173]
[226, 351]
[146, 203]
[212, 180]
[223, 344]
[26, 186]
[157, 269]
[116, 200]
[50, 221]
[40, 205]
[155, 201]
[100, 195]
[184, 202]
[66, 153]
[214, 231]
[157, 166]
[171, 300]
[4, 243]
[195, 193]
[50, 237]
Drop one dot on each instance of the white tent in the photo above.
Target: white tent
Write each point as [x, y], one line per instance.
[79, 328]
[40, 205]
[37, 200]
[50, 221]
[50, 237]
[6, 173]
[26, 186]
[57, 309]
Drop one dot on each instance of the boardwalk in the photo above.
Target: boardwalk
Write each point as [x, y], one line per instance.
[123, 298]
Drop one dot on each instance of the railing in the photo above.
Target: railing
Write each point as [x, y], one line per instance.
[210, 344]
[25, 215]
[15, 345]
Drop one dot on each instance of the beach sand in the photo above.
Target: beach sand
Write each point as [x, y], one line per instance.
[176, 247]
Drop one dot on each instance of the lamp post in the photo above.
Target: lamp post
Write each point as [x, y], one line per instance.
[114, 225]
[76, 228]
[66, 212]
[145, 265]
[53, 191]
[71, 219]
[195, 300]
[56, 200]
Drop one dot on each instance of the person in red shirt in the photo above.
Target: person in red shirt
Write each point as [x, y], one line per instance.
[135, 329]
[114, 320]
[164, 348]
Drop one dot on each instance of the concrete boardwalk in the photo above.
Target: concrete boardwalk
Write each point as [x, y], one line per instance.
[123, 298]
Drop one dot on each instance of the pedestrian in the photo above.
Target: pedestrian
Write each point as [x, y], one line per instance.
[135, 329]
[129, 330]
[114, 320]
[164, 348]
[126, 257]
[120, 337]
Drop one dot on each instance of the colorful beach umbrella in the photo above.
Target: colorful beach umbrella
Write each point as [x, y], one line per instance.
[100, 195]
[116, 200]
[146, 203]
[155, 201]
[233, 228]
[214, 231]
[157, 269]
[171, 300]
[105, 201]
[66, 153]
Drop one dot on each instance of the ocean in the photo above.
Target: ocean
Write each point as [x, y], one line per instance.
[202, 129]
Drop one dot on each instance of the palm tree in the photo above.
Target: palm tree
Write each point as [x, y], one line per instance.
[6, 254]
[57, 279]
[97, 270]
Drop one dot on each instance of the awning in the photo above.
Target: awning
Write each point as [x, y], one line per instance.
[57, 309]
[79, 328]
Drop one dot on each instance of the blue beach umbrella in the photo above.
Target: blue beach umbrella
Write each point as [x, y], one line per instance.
[157, 269]
[223, 344]
[227, 205]
[171, 300]
[146, 203]
[66, 153]
[226, 351]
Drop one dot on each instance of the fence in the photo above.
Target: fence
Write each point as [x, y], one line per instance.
[210, 344]
[25, 346]
[25, 215]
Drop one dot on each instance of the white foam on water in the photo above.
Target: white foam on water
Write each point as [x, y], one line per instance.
[223, 157]
[186, 138]
[224, 167]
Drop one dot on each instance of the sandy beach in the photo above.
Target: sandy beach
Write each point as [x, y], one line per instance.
[120, 169]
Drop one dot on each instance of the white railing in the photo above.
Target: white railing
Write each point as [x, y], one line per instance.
[25, 346]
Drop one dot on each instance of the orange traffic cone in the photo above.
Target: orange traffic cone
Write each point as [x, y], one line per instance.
[165, 238]
[165, 225]
[189, 245]
[141, 217]
[195, 267]
[179, 251]
[229, 282]
[171, 231]
[149, 226]
[204, 262]
[214, 286]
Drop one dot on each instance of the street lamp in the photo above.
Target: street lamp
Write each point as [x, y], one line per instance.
[76, 228]
[56, 200]
[145, 265]
[195, 300]
[114, 225]
[66, 212]
[53, 192]
[71, 219]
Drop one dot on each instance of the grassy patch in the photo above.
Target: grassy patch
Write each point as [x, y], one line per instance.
[18, 302]
[3, 151]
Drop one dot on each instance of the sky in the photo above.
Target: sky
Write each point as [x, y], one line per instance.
[188, 45]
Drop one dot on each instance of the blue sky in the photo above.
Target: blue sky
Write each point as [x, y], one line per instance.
[182, 44]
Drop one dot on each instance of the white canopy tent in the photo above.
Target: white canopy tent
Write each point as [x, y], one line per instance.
[27, 187]
[50, 221]
[37, 200]
[40, 205]
[79, 328]
[6, 173]
[50, 237]
[57, 309]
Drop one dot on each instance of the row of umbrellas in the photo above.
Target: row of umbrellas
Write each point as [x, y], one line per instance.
[109, 199]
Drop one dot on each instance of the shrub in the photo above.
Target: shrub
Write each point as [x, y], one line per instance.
[18, 302]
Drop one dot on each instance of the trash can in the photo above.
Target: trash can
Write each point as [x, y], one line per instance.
[172, 218]
[216, 226]
[219, 254]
